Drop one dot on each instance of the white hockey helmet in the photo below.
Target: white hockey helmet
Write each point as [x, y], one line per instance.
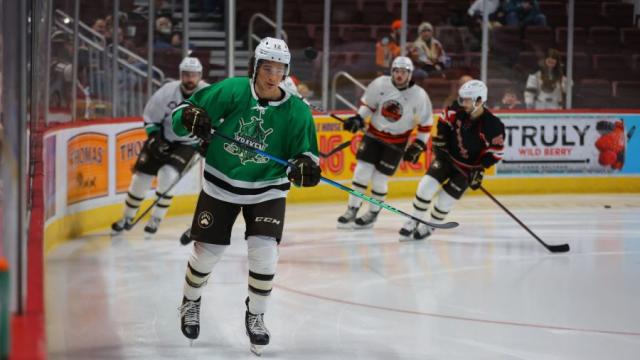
[272, 49]
[191, 64]
[402, 62]
[473, 89]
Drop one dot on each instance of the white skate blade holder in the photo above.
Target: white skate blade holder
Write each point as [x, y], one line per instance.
[257, 349]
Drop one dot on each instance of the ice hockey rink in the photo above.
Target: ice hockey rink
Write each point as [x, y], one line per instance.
[485, 290]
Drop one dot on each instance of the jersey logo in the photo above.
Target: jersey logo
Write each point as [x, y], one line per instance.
[253, 134]
[391, 110]
[205, 219]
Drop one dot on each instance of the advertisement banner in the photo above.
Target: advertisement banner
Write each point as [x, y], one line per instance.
[49, 168]
[87, 167]
[340, 166]
[568, 144]
[128, 146]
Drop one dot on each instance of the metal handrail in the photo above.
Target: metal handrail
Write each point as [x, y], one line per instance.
[84, 26]
[255, 37]
[335, 96]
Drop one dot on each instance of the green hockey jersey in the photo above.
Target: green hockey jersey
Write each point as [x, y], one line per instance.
[283, 128]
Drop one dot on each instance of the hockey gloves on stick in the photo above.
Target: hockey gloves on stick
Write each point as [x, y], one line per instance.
[414, 151]
[304, 172]
[353, 124]
[197, 121]
[475, 178]
[158, 146]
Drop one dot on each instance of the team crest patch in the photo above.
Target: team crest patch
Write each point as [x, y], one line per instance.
[253, 134]
[391, 110]
[205, 219]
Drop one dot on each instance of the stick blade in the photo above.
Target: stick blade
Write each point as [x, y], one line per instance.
[558, 248]
[449, 225]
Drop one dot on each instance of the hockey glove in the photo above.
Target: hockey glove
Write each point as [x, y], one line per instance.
[197, 121]
[202, 148]
[158, 146]
[475, 178]
[304, 172]
[353, 124]
[414, 151]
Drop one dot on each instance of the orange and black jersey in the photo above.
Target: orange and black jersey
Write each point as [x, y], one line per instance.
[472, 142]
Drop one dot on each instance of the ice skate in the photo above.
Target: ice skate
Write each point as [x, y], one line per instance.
[256, 330]
[422, 232]
[152, 226]
[190, 318]
[407, 230]
[345, 221]
[185, 238]
[366, 221]
[122, 224]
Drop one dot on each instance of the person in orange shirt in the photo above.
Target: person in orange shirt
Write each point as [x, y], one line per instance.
[388, 48]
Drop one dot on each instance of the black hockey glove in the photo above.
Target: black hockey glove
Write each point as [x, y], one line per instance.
[414, 151]
[158, 146]
[304, 172]
[202, 148]
[475, 178]
[353, 124]
[197, 121]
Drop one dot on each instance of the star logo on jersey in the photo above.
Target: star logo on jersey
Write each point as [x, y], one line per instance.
[253, 134]
[205, 219]
[391, 110]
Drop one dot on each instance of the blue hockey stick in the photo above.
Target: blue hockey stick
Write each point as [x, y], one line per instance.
[351, 191]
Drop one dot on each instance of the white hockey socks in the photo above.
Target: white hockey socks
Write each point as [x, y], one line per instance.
[140, 183]
[167, 176]
[263, 259]
[203, 258]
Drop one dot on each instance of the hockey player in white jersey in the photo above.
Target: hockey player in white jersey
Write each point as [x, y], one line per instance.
[164, 154]
[396, 106]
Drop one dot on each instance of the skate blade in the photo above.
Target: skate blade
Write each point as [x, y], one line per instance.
[362, 227]
[257, 349]
[347, 226]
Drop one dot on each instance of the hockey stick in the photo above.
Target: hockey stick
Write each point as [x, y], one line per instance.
[335, 150]
[190, 165]
[391, 146]
[351, 191]
[552, 248]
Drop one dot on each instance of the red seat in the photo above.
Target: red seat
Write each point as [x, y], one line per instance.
[581, 65]
[355, 33]
[630, 38]
[438, 90]
[603, 39]
[579, 39]
[450, 38]
[344, 12]
[593, 93]
[555, 12]
[612, 67]
[618, 14]
[626, 93]
[539, 38]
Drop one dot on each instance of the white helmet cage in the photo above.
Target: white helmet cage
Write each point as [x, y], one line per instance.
[473, 89]
[272, 49]
[191, 64]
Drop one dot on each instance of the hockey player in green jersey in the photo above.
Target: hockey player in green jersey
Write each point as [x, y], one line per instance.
[255, 111]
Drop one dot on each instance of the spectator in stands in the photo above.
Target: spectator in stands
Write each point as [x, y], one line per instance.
[524, 13]
[162, 37]
[475, 12]
[100, 26]
[430, 53]
[387, 48]
[509, 101]
[453, 96]
[546, 88]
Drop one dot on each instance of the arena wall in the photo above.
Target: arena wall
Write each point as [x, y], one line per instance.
[87, 166]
